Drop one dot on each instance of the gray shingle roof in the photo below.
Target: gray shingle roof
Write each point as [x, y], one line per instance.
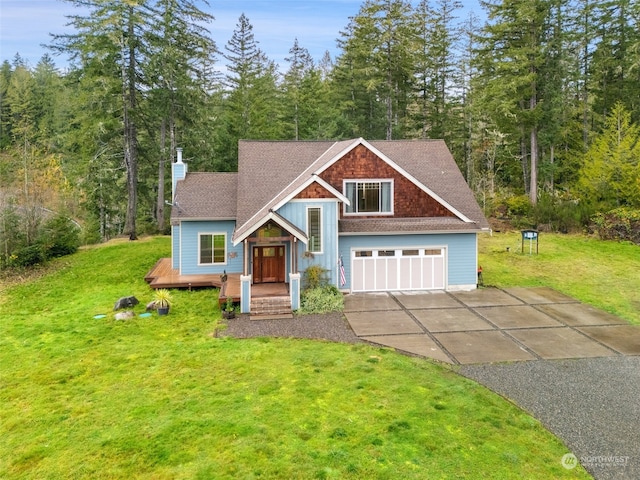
[273, 171]
[394, 225]
[203, 195]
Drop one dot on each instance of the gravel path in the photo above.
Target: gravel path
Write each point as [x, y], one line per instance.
[592, 404]
[332, 326]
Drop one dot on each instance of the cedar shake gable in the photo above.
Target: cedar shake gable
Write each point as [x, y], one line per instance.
[409, 200]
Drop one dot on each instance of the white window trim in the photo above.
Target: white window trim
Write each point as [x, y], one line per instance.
[319, 207]
[226, 245]
[368, 180]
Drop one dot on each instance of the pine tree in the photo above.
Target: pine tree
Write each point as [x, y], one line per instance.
[435, 67]
[251, 104]
[610, 175]
[109, 44]
[614, 80]
[300, 67]
[511, 61]
[178, 74]
[376, 68]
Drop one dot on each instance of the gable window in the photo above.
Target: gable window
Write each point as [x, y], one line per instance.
[369, 196]
[213, 248]
[314, 229]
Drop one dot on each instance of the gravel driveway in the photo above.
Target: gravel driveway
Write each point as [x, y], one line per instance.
[592, 404]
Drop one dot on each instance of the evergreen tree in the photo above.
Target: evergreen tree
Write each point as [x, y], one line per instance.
[610, 175]
[300, 67]
[614, 79]
[435, 69]
[109, 41]
[5, 114]
[511, 61]
[376, 69]
[250, 106]
[178, 74]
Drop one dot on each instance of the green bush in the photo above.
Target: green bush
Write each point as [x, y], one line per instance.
[619, 224]
[322, 299]
[315, 276]
[60, 236]
[518, 206]
[557, 214]
[28, 256]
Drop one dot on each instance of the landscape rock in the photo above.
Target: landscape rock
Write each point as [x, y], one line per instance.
[127, 315]
[151, 306]
[126, 302]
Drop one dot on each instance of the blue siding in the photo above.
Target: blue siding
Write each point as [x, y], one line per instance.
[296, 213]
[189, 247]
[461, 252]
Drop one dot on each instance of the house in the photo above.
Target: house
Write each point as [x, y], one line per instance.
[377, 215]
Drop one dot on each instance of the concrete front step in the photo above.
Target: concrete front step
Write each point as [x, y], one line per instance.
[270, 306]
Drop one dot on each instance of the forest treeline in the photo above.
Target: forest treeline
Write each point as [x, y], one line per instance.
[539, 103]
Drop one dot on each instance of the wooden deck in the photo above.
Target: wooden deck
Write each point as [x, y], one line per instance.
[162, 275]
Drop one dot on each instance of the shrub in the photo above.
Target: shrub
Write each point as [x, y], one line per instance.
[59, 237]
[315, 276]
[28, 256]
[556, 214]
[323, 299]
[518, 206]
[619, 224]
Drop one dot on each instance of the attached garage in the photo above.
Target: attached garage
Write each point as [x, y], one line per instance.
[398, 269]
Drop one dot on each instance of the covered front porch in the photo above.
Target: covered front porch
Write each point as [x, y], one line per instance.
[270, 264]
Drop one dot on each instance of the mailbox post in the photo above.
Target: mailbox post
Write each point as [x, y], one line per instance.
[530, 235]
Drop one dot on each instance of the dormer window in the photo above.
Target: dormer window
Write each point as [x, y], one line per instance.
[369, 197]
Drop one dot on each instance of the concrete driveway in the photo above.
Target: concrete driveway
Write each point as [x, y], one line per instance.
[490, 325]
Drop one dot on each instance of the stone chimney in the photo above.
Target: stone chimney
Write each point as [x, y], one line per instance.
[178, 172]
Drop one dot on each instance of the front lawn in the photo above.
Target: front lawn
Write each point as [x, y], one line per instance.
[162, 398]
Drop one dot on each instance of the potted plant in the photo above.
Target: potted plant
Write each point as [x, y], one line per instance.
[162, 299]
[229, 311]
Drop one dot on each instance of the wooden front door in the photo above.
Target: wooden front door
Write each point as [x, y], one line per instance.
[268, 264]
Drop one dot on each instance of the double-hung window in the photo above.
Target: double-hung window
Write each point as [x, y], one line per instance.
[314, 229]
[212, 248]
[369, 197]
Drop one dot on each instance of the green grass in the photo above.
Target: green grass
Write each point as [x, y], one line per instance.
[605, 274]
[162, 398]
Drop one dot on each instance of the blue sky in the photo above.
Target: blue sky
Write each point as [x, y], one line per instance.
[25, 24]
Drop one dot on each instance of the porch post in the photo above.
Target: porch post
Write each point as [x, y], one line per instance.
[245, 293]
[245, 259]
[294, 251]
[294, 290]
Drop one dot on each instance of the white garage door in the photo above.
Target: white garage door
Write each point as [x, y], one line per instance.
[399, 269]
